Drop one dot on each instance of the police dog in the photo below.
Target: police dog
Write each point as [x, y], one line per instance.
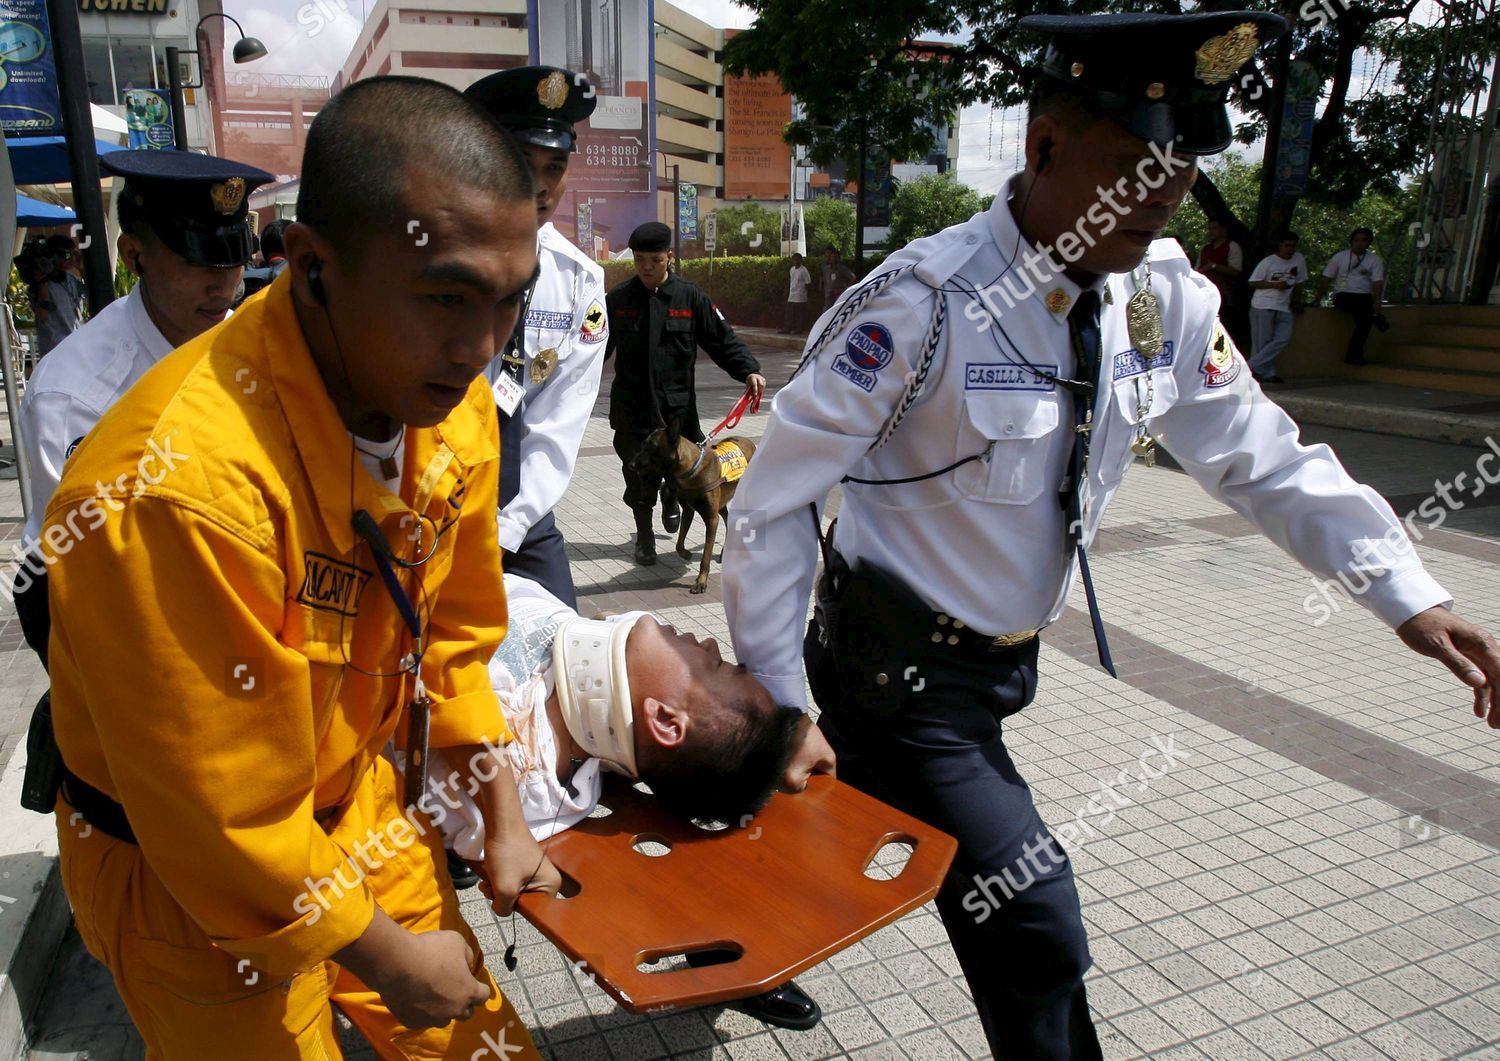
[699, 481]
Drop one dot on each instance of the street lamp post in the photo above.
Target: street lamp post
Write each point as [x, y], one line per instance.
[246, 49]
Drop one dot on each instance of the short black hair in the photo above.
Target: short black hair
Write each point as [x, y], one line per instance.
[368, 140]
[1057, 100]
[730, 764]
[271, 241]
[1288, 236]
[1367, 231]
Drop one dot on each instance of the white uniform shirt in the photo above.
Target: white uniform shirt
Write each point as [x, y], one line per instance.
[1273, 267]
[74, 385]
[521, 674]
[1355, 274]
[566, 315]
[985, 543]
[800, 280]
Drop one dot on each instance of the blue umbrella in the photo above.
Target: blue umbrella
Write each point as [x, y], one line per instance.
[44, 159]
[33, 213]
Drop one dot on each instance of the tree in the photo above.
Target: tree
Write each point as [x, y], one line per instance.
[1323, 227]
[1363, 141]
[853, 70]
[749, 228]
[829, 222]
[929, 204]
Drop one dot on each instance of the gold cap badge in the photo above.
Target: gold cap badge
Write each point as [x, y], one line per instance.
[228, 195]
[552, 90]
[1156, 90]
[1222, 56]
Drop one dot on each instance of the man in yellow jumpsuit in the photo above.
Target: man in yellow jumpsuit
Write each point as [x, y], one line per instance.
[261, 558]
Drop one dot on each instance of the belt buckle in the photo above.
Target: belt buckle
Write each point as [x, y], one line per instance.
[1020, 637]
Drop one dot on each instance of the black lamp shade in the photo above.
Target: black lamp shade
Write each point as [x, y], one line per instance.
[247, 49]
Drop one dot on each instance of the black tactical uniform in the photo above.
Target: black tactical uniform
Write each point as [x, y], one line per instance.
[654, 338]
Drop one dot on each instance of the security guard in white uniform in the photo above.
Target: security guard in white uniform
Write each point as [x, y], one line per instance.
[546, 380]
[183, 231]
[981, 408]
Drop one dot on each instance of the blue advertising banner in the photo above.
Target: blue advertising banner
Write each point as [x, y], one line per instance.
[148, 114]
[609, 45]
[1298, 115]
[687, 210]
[29, 104]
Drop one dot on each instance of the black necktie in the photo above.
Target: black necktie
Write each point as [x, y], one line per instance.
[1083, 329]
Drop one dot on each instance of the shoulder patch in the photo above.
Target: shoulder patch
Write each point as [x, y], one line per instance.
[1221, 366]
[71, 447]
[595, 323]
[868, 348]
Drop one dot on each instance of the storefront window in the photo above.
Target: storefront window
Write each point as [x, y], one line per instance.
[96, 71]
[133, 63]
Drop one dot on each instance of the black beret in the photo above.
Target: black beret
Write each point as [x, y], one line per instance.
[652, 236]
[196, 204]
[538, 104]
[1164, 78]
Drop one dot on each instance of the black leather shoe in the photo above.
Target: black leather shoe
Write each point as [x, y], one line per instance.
[463, 876]
[787, 1006]
[645, 549]
[671, 515]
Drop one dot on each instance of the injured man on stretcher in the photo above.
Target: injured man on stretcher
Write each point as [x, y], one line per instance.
[630, 694]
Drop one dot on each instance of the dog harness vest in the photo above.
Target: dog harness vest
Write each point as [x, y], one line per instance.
[732, 461]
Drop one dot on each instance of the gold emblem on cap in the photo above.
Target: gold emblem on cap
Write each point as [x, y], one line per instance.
[1156, 90]
[552, 90]
[1222, 56]
[1057, 300]
[543, 364]
[1077, 70]
[228, 195]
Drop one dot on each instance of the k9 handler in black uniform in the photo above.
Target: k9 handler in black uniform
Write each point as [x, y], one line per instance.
[656, 324]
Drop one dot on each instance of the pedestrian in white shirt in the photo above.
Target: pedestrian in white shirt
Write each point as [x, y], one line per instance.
[1358, 279]
[1274, 283]
[958, 395]
[795, 320]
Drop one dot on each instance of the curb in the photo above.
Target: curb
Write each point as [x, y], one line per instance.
[34, 913]
[1426, 424]
[766, 337]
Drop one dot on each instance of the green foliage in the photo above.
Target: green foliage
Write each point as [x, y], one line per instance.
[849, 67]
[749, 229]
[929, 204]
[1323, 227]
[749, 291]
[125, 280]
[829, 221]
[19, 297]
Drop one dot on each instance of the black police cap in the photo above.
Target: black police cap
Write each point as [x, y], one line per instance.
[538, 104]
[196, 204]
[1165, 78]
[651, 237]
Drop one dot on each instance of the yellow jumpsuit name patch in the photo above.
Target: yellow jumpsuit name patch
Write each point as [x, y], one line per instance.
[732, 461]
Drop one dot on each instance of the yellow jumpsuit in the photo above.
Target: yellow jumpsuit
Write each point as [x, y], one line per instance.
[212, 611]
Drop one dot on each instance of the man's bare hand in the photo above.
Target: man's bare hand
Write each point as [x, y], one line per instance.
[813, 755]
[755, 385]
[426, 979]
[1467, 650]
[514, 864]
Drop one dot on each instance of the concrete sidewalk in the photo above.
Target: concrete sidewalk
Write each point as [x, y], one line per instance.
[1316, 875]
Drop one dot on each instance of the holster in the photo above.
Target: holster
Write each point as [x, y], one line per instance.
[44, 765]
[865, 639]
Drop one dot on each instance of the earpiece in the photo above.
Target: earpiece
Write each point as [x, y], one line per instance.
[315, 283]
[1044, 155]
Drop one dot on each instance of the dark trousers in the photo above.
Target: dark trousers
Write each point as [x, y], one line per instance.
[794, 319]
[32, 608]
[1009, 903]
[543, 558]
[1362, 309]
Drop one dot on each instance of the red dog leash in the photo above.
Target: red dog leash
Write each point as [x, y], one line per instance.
[733, 419]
